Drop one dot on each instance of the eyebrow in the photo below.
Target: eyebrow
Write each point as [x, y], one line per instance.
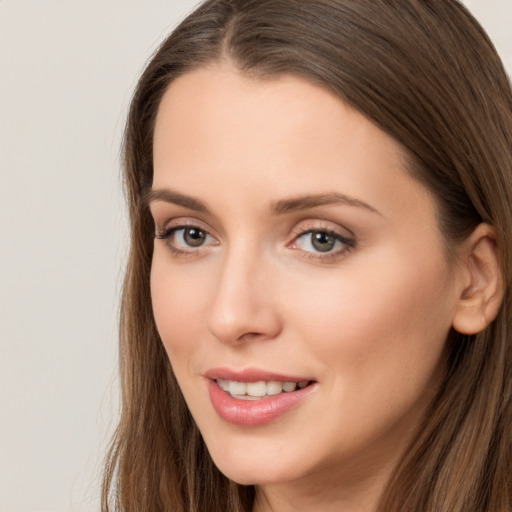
[281, 207]
[314, 200]
[169, 196]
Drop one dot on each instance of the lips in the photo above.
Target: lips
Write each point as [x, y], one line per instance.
[253, 397]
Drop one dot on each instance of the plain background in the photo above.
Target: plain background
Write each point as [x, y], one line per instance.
[67, 70]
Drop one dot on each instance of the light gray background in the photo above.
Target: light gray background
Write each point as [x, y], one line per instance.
[67, 69]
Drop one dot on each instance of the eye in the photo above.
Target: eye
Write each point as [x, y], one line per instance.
[193, 237]
[183, 239]
[322, 241]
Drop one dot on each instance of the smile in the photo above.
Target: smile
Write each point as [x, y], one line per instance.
[251, 398]
[259, 390]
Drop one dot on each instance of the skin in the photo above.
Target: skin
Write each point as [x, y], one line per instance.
[367, 321]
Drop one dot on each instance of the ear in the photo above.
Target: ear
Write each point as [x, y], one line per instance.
[481, 281]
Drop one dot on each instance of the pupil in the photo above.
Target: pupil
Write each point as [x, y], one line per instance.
[194, 237]
[322, 241]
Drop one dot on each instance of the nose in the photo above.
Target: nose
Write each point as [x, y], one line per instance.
[244, 306]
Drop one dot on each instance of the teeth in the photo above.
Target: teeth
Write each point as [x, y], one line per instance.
[289, 386]
[256, 390]
[246, 397]
[237, 388]
[224, 384]
[274, 387]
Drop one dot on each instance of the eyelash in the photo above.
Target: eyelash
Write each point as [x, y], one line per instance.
[348, 243]
[167, 233]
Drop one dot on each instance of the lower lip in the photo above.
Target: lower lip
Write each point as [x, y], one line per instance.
[251, 413]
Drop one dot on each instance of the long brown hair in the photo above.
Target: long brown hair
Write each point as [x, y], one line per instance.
[427, 74]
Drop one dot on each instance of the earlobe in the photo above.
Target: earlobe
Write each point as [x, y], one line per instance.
[481, 290]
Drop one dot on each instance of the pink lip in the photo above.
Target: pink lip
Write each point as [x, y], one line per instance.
[251, 413]
[252, 375]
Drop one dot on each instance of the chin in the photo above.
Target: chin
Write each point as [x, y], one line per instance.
[249, 475]
[255, 468]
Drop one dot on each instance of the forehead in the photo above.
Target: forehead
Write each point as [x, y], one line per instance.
[273, 138]
[218, 105]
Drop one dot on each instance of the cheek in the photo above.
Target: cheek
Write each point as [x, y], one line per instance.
[378, 323]
[179, 308]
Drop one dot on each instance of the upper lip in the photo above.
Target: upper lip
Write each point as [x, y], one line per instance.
[252, 375]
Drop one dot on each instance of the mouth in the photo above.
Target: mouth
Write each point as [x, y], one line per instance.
[261, 389]
[251, 398]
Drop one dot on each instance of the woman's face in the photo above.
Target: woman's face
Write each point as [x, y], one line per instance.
[292, 247]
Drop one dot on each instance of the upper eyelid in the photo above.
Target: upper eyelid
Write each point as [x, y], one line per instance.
[163, 213]
[322, 225]
[299, 228]
[184, 222]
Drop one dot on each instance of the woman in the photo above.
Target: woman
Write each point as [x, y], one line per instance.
[316, 311]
